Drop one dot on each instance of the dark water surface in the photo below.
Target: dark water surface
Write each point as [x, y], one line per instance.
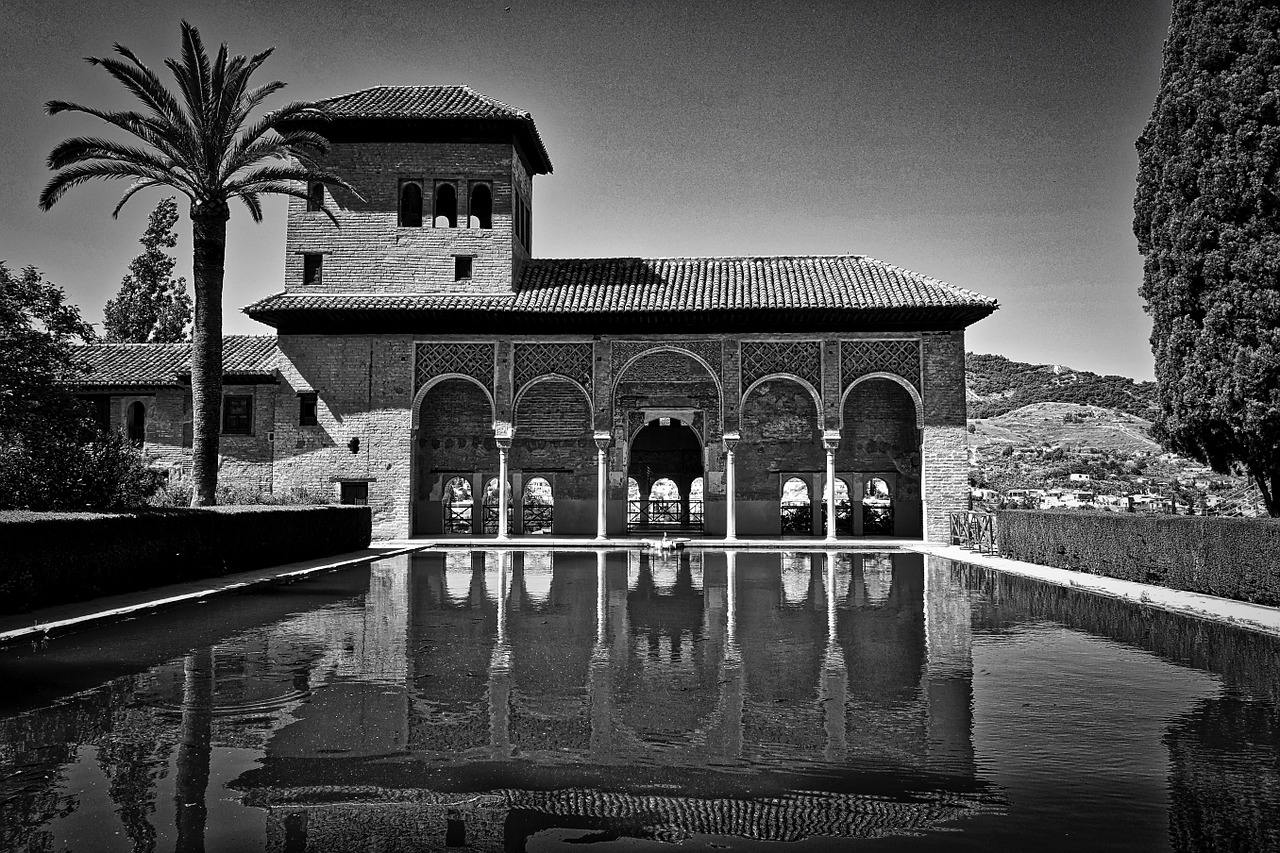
[750, 701]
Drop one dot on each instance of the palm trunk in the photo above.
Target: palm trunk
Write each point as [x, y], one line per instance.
[209, 238]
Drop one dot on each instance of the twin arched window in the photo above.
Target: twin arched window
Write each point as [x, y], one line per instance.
[444, 212]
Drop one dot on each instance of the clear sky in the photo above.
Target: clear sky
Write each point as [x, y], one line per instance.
[988, 143]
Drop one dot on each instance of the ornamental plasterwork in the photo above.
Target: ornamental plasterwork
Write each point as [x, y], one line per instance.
[900, 357]
[799, 358]
[624, 351]
[468, 359]
[570, 360]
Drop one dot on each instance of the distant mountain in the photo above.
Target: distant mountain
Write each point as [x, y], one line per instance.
[996, 385]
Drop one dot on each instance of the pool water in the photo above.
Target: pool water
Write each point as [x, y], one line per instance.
[531, 700]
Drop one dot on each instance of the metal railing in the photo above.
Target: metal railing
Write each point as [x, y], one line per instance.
[664, 515]
[974, 531]
[457, 519]
[491, 518]
[797, 518]
[537, 518]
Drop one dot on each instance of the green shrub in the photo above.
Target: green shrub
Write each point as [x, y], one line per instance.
[1228, 557]
[55, 558]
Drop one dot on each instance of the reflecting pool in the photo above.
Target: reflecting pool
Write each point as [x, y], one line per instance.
[530, 700]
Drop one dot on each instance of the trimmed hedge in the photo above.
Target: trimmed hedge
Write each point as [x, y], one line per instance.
[1230, 557]
[49, 558]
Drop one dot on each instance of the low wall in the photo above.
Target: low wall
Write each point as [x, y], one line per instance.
[55, 558]
[1230, 557]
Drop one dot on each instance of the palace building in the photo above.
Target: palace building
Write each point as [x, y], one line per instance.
[427, 363]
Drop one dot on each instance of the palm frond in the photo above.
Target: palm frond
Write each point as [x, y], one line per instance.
[255, 206]
[78, 173]
[289, 188]
[134, 188]
[79, 148]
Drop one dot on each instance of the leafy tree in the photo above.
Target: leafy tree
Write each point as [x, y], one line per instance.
[202, 143]
[152, 305]
[1207, 218]
[51, 454]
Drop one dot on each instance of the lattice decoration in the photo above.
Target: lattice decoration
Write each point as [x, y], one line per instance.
[900, 357]
[799, 358]
[635, 422]
[708, 351]
[570, 360]
[434, 359]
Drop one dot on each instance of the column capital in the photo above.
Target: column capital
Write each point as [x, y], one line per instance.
[731, 440]
[831, 439]
[503, 430]
[603, 438]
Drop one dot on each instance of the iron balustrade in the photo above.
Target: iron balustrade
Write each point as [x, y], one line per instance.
[877, 519]
[974, 531]
[491, 518]
[457, 519]
[536, 518]
[797, 518]
[664, 515]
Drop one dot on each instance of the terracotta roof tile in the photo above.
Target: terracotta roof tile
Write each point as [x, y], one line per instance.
[679, 285]
[163, 364]
[435, 103]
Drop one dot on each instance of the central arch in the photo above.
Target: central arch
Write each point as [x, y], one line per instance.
[665, 449]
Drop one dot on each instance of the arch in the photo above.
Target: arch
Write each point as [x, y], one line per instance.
[633, 489]
[796, 506]
[444, 213]
[549, 377]
[697, 489]
[629, 363]
[844, 506]
[480, 207]
[410, 205]
[489, 506]
[916, 399]
[457, 505]
[315, 197]
[136, 422]
[436, 380]
[664, 489]
[877, 507]
[791, 377]
[537, 504]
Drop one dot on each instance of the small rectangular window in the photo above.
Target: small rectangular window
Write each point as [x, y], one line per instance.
[315, 197]
[355, 494]
[461, 267]
[237, 414]
[307, 409]
[312, 264]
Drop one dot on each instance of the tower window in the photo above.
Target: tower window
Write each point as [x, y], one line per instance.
[481, 206]
[446, 208]
[307, 402]
[315, 197]
[410, 205]
[312, 263]
[461, 267]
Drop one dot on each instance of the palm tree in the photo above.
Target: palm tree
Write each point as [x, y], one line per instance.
[202, 143]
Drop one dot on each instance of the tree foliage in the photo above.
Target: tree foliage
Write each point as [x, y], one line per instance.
[202, 142]
[1206, 218]
[52, 456]
[152, 306]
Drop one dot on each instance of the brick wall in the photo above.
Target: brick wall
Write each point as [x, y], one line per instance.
[780, 433]
[944, 443]
[372, 253]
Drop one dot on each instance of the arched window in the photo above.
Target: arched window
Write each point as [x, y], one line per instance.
[796, 508]
[446, 209]
[844, 508]
[137, 422]
[481, 207]
[877, 508]
[489, 506]
[315, 197]
[410, 205]
[664, 503]
[695, 489]
[457, 505]
[538, 506]
[633, 489]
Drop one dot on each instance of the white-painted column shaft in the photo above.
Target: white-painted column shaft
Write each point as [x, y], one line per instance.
[504, 498]
[602, 483]
[730, 487]
[830, 441]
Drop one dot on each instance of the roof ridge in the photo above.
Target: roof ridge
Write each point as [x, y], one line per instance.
[963, 291]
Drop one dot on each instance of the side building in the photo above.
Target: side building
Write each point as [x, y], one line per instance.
[429, 364]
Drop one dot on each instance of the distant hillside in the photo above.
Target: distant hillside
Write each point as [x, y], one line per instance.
[996, 385]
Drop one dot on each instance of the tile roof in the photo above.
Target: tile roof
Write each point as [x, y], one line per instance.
[435, 103]
[163, 364]
[843, 285]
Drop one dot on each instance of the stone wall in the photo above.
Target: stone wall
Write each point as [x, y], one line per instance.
[944, 439]
[371, 252]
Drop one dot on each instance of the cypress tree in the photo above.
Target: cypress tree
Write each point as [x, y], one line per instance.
[1207, 219]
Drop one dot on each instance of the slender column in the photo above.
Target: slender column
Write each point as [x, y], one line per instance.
[504, 491]
[730, 501]
[602, 437]
[830, 441]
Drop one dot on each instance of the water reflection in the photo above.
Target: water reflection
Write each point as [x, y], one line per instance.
[498, 699]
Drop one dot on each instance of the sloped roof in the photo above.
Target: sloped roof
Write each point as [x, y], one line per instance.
[436, 103]
[142, 365]
[775, 291]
